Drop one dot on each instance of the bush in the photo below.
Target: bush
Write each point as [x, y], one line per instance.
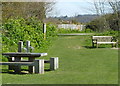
[26, 29]
[109, 33]
[104, 23]
[62, 30]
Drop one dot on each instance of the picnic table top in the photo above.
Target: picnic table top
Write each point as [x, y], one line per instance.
[24, 54]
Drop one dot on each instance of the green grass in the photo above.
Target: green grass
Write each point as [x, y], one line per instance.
[79, 64]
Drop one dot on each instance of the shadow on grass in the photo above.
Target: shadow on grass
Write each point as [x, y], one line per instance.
[23, 71]
[90, 47]
[47, 70]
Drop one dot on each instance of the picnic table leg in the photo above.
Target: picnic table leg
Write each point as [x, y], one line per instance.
[97, 45]
[39, 66]
[112, 45]
[10, 67]
[18, 67]
[92, 44]
[31, 68]
[116, 45]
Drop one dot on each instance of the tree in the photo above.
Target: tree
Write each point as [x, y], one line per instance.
[115, 5]
[109, 14]
[100, 7]
[26, 9]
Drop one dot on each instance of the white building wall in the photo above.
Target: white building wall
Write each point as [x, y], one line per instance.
[71, 26]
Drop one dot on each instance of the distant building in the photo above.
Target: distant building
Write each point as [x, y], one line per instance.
[71, 26]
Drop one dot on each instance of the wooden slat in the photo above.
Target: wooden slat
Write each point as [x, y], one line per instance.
[45, 61]
[17, 63]
[18, 54]
[106, 42]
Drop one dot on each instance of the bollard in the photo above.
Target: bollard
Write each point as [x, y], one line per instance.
[54, 63]
[28, 46]
[20, 45]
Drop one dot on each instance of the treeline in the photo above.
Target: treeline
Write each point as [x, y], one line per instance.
[105, 23]
[109, 16]
[26, 9]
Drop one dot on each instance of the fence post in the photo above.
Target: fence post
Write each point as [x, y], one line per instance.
[54, 63]
[10, 59]
[44, 30]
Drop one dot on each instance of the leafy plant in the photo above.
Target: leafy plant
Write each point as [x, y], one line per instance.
[26, 29]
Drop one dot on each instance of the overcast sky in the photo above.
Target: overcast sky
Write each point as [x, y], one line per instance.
[73, 7]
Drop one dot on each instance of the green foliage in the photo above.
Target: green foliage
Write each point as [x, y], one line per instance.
[110, 32]
[26, 29]
[51, 30]
[104, 23]
[87, 30]
[62, 30]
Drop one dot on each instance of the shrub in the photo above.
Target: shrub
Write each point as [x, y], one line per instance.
[62, 30]
[26, 29]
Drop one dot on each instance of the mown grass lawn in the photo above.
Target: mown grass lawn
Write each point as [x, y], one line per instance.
[78, 64]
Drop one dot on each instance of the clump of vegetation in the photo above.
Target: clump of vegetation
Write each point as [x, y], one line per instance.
[104, 23]
[62, 30]
[26, 29]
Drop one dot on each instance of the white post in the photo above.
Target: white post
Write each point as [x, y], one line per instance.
[57, 62]
[44, 30]
[53, 63]
[39, 66]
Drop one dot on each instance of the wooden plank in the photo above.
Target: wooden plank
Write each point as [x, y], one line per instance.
[17, 63]
[37, 64]
[100, 36]
[31, 68]
[22, 54]
[45, 61]
[106, 42]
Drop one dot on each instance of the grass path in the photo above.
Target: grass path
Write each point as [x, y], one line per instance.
[78, 64]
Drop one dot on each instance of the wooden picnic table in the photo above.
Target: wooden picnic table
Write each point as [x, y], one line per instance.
[17, 58]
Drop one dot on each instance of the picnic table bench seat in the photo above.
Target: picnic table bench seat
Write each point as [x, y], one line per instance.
[38, 64]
